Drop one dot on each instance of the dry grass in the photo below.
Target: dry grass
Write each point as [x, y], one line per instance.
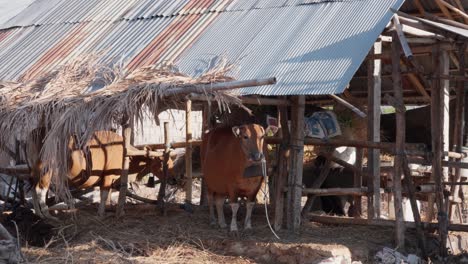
[144, 236]
[84, 96]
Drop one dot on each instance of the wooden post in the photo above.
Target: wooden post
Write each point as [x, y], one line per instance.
[317, 184]
[414, 206]
[126, 134]
[205, 126]
[358, 183]
[459, 126]
[400, 142]
[437, 110]
[373, 132]
[162, 186]
[188, 155]
[296, 163]
[282, 175]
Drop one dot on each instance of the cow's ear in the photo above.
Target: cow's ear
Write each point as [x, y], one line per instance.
[236, 131]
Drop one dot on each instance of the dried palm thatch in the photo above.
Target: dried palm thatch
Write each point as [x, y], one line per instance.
[84, 96]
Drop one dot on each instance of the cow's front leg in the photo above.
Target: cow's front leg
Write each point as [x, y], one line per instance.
[219, 201]
[248, 215]
[209, 197]
[104, 192]
[234, 208]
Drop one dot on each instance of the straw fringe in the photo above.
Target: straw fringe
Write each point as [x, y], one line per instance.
[83, 97]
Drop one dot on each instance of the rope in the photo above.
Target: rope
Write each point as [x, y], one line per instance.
[264, 172]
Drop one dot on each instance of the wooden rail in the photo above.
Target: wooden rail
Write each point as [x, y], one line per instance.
[378, 222]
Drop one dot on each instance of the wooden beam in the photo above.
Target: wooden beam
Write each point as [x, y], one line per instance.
[357, 191]
[213, 87]
[420, 7]
[126, 134]
[162, 186]
[358, 181]
[316, 185]
[296, 163]
[418, 85]
[462, 9]
[401, 37]
[459, 123]
[348, 105]
[446, 21]
[374, 88]
[205, 127]
[399, 145]
[245, 100]
[188, 155]
[454, 9]
[437, 110]
[282, 176]
[411, 148]
[444, 9]
[411, 190]
[335, 220]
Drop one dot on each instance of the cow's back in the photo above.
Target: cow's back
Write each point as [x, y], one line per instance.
[106, 152]
[223, 163]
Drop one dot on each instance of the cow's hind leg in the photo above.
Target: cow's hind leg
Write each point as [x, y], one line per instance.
[41, 189]
[104, 193]
[210, 197]
[219, 201]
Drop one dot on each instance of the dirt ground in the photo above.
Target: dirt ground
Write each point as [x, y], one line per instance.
[144, 235]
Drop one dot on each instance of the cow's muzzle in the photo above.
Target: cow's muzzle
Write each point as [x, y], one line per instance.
[256, 157]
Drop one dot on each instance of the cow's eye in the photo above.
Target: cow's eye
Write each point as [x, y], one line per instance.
[246, 137]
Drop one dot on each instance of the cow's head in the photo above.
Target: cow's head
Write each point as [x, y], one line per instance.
[157, 170]
[251, 139]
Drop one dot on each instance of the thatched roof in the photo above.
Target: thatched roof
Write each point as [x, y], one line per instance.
[84, 96]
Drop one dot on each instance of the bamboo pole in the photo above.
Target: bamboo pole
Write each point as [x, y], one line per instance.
[203, 88]
[296, 163]
[188, 156]
[126, 134]
[282, 168]
[400, 143]
[374, 88]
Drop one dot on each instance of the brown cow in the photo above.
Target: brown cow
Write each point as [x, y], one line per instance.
[103, 167]
[225, 153]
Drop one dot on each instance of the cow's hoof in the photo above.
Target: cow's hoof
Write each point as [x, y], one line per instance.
[248, 228]
[234, 233]
[213, 223]
[222, 226]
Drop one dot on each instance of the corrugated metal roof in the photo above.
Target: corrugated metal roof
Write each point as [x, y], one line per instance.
[311, 46]
[9, 9]
[330, 41]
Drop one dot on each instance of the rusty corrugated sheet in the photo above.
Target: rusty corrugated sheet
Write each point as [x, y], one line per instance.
[311, 46]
